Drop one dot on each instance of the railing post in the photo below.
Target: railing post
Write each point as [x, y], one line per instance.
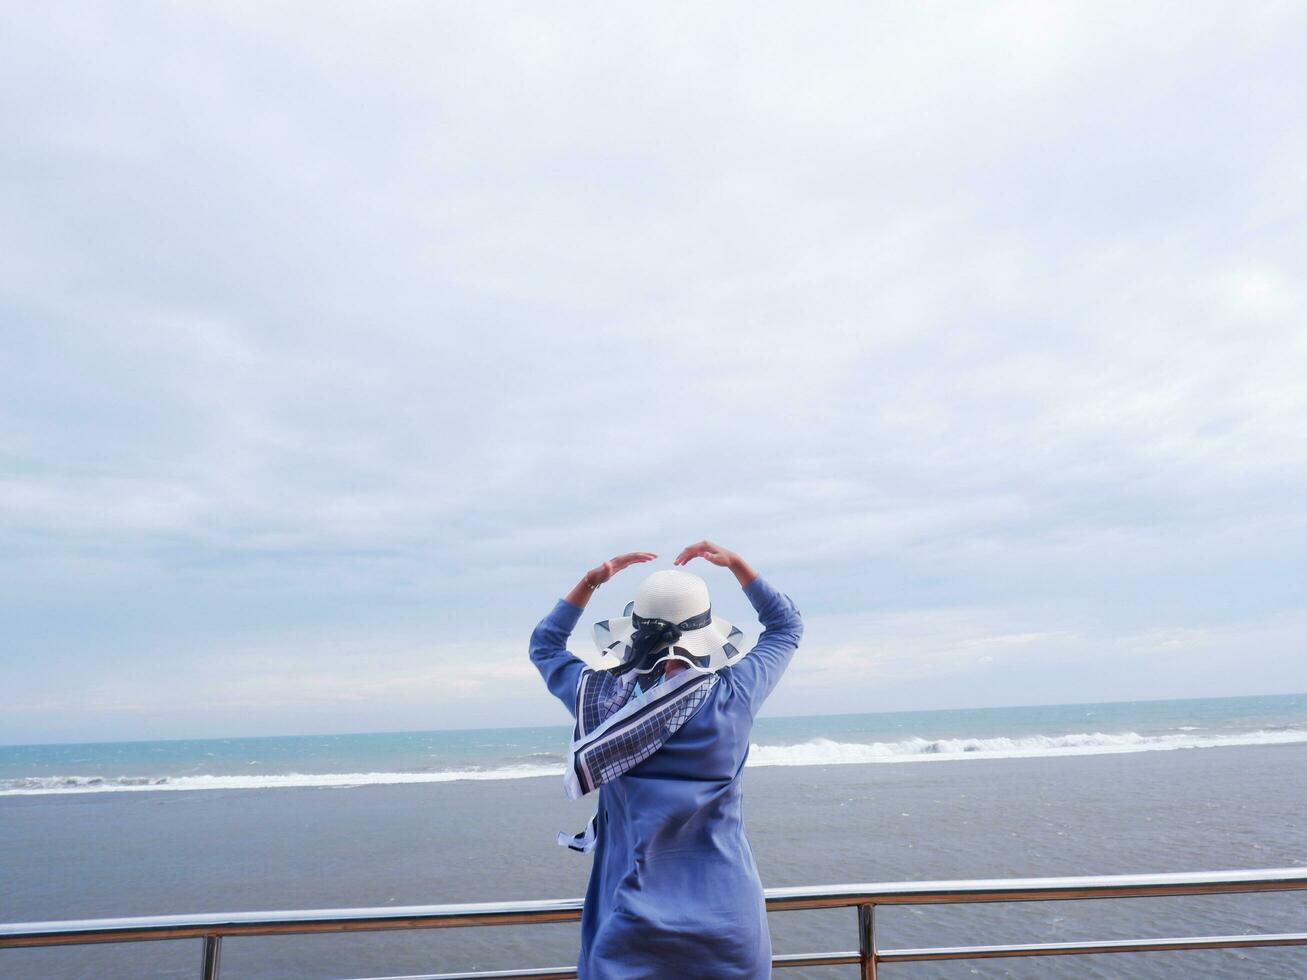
[867, 940]
[212, 953]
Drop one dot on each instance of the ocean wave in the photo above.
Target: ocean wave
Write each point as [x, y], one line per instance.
[824, 752]
[42, 785]
[815, 752]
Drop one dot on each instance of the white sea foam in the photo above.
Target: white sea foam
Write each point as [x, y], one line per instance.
[816, 752]
[824, 752]
[42, 785]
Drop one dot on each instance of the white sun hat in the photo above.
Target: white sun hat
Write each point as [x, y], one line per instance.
[670, 618]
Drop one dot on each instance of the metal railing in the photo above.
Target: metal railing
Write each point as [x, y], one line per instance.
[213, 928]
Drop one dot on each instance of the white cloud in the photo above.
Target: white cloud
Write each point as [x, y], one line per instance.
[402, 318]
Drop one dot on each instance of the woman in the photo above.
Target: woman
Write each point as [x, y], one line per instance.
[663, 732]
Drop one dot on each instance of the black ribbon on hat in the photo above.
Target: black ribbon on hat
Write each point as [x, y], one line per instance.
[651, 636]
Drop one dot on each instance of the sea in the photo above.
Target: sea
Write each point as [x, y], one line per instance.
[407, 818]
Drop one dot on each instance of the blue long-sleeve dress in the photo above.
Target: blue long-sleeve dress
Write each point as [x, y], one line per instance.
[674, 891]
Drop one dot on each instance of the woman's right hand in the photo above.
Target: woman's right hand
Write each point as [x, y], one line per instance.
[708, 551]
[720, 556]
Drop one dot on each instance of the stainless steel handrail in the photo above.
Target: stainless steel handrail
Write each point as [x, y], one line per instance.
[212, 928]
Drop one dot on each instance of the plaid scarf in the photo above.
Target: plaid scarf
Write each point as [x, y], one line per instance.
[619, 724]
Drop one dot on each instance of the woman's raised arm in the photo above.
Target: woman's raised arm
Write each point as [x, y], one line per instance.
[758, 672]
[559, 668]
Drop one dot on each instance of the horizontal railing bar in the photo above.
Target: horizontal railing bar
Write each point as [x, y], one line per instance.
[928, 954]
[145, 928]
[1081, 949]
[816, 959]
[1038, 889]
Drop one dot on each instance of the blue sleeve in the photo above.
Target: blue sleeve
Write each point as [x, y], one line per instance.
[560, 669]
[757, 673]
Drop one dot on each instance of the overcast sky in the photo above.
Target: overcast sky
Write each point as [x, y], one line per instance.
[338, 342]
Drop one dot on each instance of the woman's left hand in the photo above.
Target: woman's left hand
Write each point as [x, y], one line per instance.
[600, 574]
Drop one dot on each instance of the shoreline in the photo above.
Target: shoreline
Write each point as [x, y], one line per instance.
[815, 754]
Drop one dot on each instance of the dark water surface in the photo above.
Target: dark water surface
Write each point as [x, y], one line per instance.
[111, 854]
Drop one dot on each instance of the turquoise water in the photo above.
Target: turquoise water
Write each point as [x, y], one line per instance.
[507, 753]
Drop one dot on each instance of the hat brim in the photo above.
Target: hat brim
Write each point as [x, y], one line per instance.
[709, 649]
